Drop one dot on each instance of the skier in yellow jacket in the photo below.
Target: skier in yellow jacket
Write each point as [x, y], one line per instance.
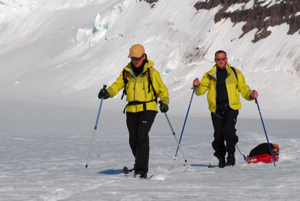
[224, 85]
[143, 85]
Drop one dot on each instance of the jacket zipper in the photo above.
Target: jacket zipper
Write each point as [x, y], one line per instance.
[134, 93]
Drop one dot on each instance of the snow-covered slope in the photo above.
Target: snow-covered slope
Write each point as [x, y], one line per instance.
[64, 51]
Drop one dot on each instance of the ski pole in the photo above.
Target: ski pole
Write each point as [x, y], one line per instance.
[262, 121]
[94, 133]
[181, 151]
[187, 113]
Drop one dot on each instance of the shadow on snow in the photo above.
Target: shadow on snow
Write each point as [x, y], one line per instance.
[111, 171]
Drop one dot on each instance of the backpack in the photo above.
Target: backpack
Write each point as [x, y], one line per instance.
[150, 84]
[149, 80]
[235, 73]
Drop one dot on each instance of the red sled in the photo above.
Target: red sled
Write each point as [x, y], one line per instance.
[265, 158]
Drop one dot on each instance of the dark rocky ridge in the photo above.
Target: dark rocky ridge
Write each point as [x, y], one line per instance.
[258, 16]
[151, 2]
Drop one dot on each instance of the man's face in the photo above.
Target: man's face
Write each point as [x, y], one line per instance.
[138, 61]
[221, 60]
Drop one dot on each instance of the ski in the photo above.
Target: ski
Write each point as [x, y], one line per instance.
[204, 165]
[216, 166]
[151, 176]
[126, 172]
[212, 166]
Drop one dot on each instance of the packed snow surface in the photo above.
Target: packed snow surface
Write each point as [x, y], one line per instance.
[44, 150]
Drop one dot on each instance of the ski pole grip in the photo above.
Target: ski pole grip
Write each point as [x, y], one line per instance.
[160, 102]
[195, 85]
[254, 98]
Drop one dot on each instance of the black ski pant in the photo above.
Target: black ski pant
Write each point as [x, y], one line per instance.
[139, 125]
[224, 121]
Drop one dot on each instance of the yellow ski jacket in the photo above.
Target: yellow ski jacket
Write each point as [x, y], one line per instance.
[234, 85]
[140, 94]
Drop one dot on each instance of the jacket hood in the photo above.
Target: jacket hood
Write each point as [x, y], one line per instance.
[213, 71]
[148, 64]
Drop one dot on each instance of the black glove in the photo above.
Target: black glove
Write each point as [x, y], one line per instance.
[163, 107]
[103, 94]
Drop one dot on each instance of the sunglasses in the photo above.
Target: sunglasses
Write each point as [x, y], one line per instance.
[218, 59]
[136, 58]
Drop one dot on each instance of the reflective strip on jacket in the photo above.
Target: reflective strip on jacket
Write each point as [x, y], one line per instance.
[137, 88]
[234, 87]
